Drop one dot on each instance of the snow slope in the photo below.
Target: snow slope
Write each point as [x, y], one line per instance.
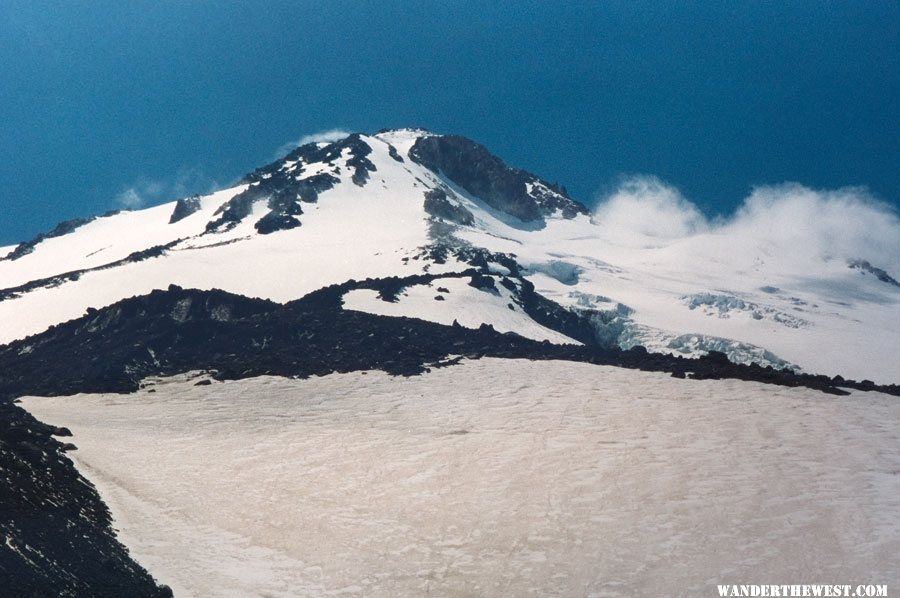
[774, 303]
[846, 322]
[492, 477]
[461, 303]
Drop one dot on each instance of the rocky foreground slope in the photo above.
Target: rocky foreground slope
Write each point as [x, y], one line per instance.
[59, 537]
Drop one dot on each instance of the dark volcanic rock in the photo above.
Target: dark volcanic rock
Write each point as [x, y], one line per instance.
[183, 208]
[438, 205]
[308, 189]
[330, 153]
[361, 165]
[237, 208]
[58, 279]
[282, 191]
[178, 330]
[58, 538]
[63, 228]
[274, 221]
[281, 194]
[880, 274]
[475, 169]
[483, 282]
[393, 153]
[58, 533]
[284, 210]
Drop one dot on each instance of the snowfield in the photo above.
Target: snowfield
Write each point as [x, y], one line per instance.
[459, 302]
[493, 477]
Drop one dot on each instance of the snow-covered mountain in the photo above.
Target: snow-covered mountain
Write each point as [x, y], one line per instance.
[466, 238]
[382, 366]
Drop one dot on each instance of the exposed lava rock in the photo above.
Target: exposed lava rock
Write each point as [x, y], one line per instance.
[483, 282]
[63, 228]
[464, 162]
[308, 189]
[282, 194]
[184, 207]
[472, 167]
[361, 165]
[58, 535]
[178, 330]
[438, 205]
[274, 221]
[393, 153]
[283, 188]
[59, 539]
[284, 210]
[58, 279]
[313, 153]
[237, 208]
[879, 273]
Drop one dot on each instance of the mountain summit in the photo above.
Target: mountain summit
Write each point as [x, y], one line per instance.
[422, 208]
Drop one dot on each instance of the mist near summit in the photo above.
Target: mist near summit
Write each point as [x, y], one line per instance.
[789, 223]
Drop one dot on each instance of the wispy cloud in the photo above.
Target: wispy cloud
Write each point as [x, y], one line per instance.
[145, 192]
[329, 136]
[644, 206]
[788, 223]
[130, 199]
[322, 136]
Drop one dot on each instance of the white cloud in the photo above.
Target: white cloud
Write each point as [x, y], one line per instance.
[644, 206]
[328, 136]
[845, 223]
[789, 224]
[130, 199]
[187, 181]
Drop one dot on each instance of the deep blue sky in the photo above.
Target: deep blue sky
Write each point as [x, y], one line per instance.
[100, 96]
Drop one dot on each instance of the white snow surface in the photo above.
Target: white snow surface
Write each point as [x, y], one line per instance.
[493, 477]
[463, 304]
[351, 232]
[851, 320]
